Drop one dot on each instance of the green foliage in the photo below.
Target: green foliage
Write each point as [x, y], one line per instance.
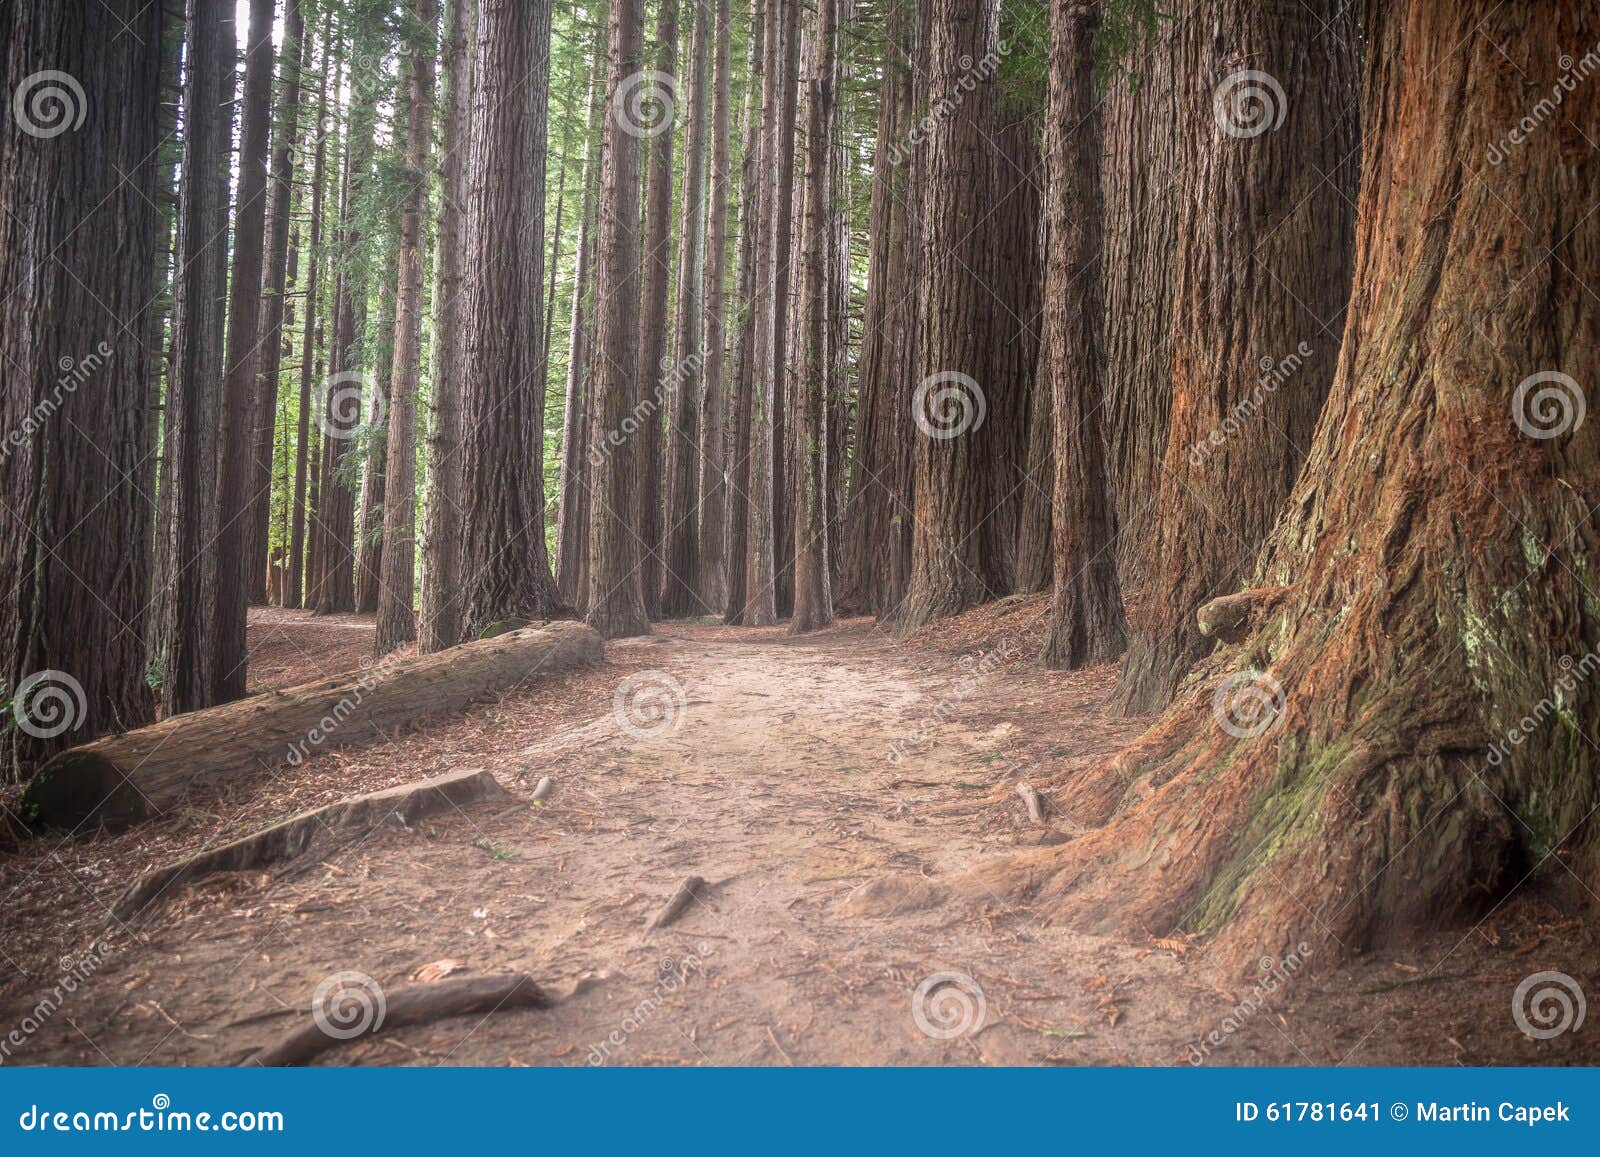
[1124, 27]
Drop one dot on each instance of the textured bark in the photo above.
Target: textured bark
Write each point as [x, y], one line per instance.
[441, 622]
[375, 438]
[280, 196]
[397, 620]
[680, 573]
[572, 526]
[236, 440]
[616, 601]
[872, 506]
[712, 493]
[143, 773]
[1261, 279]
[655, 365]
[1086, 617]
[812, 394]
[747, 337]
[1437, 548]
[78, 228]
[948, 570]
[508, 565]
[293, 586]
[188, 602]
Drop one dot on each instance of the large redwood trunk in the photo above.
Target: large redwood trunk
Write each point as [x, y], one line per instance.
[78, 230]
[507, 563]
[1405, 732]
[1266, 138]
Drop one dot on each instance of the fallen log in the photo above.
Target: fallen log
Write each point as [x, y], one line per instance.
[404, 804]
[419, 1004]
[687, 891]
[123, 779]
[1031, 800]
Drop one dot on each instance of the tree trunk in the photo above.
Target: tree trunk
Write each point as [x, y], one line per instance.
[712, 513]
[752, 239]
[572, 528]
[1378, 754]
[78, 227]
[813, 592]
[680, 576]
[948, 570]
[616, 600]
[291, 61]
[1262, 269]
[443, 579]
[397, 620]
[508, 565]
[188, 605]
[140, 775]
[375, 435]
[1086, 618]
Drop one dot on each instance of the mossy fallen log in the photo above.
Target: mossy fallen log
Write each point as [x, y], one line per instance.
[124, 779]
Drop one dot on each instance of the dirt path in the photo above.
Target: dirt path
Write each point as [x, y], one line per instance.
[785, 773]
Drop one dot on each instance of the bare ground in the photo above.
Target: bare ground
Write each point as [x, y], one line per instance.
[785, 773]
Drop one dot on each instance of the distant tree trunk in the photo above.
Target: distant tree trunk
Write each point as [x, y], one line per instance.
[1262, 277]
[188, 605]
[1351, 767]
[616, 601]
[1035, 542]
[78, 227]
[397, 620]
[712, 512]
[1086, 618]
[507, 562]
[840, 309]
[813, 592]
[572, 528]
[867, 518]
[280, 196]
[442, 573]
[656, 124]
[747, 337]
[680, 578]
[780, 557]
[948, 570]
[298, 568]
[375, 438]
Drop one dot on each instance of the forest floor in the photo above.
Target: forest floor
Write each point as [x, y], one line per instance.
[786, 773]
